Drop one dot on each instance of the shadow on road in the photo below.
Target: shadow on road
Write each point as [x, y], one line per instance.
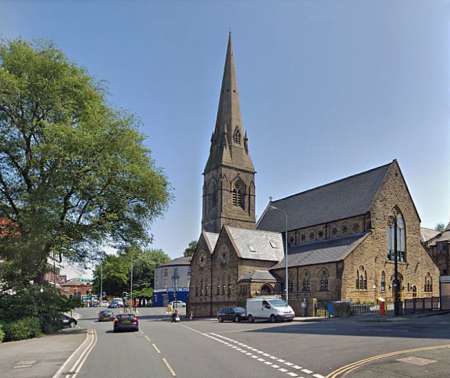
[418, 328]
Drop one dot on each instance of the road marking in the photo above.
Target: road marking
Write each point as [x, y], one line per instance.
[148, 338]
[357, 364]
[61, 369]
[292, 374]
[79, 364]
[318, 376]
[156, 348]
[169, 367]
[307, 371]
[283, 370]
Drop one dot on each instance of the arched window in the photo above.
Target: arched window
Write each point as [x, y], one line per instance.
[428, 283]
[239, 194]
[361, 279]
[237, 136]
[324, 280]
[306, 282]
[383, 281]
[397, 219]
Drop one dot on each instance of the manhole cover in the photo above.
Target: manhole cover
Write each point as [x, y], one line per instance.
[416, 361]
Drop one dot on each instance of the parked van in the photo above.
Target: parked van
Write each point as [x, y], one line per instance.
[271, 308]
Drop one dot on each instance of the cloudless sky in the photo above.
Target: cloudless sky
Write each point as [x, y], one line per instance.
[327, 88]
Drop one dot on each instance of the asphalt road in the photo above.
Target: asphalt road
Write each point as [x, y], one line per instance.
[205, 348]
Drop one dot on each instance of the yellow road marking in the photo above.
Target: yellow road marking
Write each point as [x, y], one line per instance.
[156, 348]
[169, 367]
[357, 364]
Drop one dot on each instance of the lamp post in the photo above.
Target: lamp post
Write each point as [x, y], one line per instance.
[175, 278]
[131, 285]
[286, 286]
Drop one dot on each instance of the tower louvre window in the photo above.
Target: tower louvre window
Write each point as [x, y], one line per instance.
[238, 195]
[237, 136]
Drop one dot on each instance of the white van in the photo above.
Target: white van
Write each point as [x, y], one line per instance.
[272, 308]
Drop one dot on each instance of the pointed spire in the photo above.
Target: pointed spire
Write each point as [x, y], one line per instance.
[228, 121]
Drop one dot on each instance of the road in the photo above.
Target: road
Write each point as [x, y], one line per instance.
[205, 348]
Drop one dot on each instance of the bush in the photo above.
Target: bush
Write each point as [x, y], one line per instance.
[2, 332]
[23, 329]
[342, 309]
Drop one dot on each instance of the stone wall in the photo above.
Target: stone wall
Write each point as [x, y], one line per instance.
[371, 255]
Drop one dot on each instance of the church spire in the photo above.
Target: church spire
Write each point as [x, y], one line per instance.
[227, 144]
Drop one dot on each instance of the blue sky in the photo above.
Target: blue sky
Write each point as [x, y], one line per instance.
[328, 88]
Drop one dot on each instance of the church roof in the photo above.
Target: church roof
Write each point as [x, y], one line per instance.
[256, 244]
[427, 233]
[258, 275]
[211, 239]
[228, 122]
[321, 252]
[340, 199]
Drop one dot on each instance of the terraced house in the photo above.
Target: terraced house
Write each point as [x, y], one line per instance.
[340, 235]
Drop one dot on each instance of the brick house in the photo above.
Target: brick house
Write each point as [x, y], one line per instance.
[340, 235]
[438, 246]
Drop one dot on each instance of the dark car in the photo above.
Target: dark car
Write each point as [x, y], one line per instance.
[126, 322]
[235, 314]
[68, 321]
[105, 316]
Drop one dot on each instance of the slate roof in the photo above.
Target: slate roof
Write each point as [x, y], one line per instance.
[258, 275]
[427, 233]
[340, 199]
[178, 261]
[211, 239]
[257, 244]
[321, 252]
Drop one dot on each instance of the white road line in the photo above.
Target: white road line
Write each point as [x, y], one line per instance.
[169, 367]
[80, 365]
[318, 376]
[275, 366]
[288, 363]
[148, 338]
[156, 348]
[283, 370]
[61, 369]
[296, 367]
[292, 374]
[307, 371]
[268, 363]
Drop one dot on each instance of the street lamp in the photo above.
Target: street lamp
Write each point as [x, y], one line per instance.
[175, 278]
[396, 280]
[131, 285]
[286, 290]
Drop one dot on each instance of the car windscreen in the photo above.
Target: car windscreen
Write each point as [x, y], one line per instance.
[239, 309]
[277, 303]
[125, 317]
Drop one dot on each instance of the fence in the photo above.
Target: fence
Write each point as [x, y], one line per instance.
[415, 305]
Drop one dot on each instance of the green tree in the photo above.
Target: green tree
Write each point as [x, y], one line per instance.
[117, 268]
[189, 251]
[440, 227]
[73, 171]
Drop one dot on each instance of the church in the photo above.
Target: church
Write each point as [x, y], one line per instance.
[340, 236]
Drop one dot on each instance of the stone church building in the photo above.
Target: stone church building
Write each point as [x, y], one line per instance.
[340, 235]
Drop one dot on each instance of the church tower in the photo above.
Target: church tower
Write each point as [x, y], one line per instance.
[229, 175]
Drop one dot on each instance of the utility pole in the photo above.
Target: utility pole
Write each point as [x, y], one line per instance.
[101, 282]
[131, 285]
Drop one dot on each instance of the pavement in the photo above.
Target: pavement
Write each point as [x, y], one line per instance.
[351, 347]
[39, 357]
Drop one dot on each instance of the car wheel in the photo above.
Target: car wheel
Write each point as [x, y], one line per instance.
[237, 319]
[251, 319]
[220, 319]
[72, 324]
[273, 318]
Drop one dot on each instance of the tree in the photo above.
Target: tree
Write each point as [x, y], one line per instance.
[189, 251]
[117, 268]
[440, 227]
[73, 171]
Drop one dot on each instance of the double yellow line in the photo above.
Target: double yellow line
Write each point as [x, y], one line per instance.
[344, 370]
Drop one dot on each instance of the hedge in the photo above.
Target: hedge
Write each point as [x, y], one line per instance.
[2, 332]
[22, 329]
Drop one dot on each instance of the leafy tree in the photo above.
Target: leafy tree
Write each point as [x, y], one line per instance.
[440, 227]
[189, 251]
[73, 171]
[117, 268]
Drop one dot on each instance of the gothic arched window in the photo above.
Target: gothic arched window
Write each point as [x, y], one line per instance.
[428, 287]
[383, 281]
[237, 136]
[239, 194]
[324, 280]
[397, 219]
[361, 279]
[306, 282]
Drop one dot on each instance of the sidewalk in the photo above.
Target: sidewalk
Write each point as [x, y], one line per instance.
[39, 357]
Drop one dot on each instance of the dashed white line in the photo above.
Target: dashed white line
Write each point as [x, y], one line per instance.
[318, 376]
[169, 367]
[283, 370]
[156, 348]
[307, 371]
[292, 374]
